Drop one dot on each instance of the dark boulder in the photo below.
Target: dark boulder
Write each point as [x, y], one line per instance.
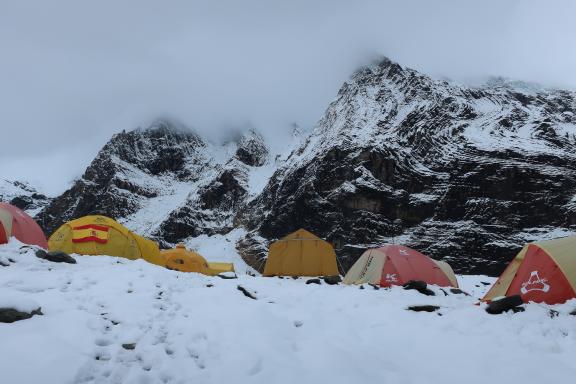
[55, 256]
[419, 286]
[332, 280]
[313, 281]
[458, 291]
[246, 292]
[10, 315]
[506, 304]
[423, 308]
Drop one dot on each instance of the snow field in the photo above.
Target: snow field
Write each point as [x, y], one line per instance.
[189, 328]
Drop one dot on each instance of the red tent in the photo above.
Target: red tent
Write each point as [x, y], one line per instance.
[542, 272]
[17, 223]
[396, 265]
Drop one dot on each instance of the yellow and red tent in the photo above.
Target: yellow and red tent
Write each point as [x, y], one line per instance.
[101, 235]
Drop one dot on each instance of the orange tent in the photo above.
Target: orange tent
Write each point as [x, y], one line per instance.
[17, 223]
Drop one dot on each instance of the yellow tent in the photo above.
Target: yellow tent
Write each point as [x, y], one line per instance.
[221, 267]
[101, 235]
[301, 254]
[181, 259]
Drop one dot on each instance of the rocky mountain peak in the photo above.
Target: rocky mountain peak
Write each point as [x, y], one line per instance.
[162, 147]
[22, 195]
[448, 169]
[252, 149]
[462, 173]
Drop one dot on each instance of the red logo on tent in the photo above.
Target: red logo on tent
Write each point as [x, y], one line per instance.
[535, 283]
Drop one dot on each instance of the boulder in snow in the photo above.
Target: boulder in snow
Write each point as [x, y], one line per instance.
[508, 303]
[10, 315]
[246, 292]
[55, 256]
[423, 308]
[419, 286]
[332, 280]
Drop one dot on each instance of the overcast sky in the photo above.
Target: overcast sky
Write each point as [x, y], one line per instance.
[72, 73]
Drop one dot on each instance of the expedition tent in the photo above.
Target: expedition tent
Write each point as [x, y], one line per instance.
[396, 265]
[101, 235]
[17, 223]
[542, 272]
[183, 260]
[301, 254]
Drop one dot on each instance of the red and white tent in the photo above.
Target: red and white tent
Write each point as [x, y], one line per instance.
[17, 223]
[542, 272]
[396, 265]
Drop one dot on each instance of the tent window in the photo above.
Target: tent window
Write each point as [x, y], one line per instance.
[179, 261]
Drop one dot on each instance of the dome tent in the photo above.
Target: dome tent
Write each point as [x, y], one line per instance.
[101, 235]
[396, 265]
[183, 260]
[542, 272]
[17, 223]
[301, 254]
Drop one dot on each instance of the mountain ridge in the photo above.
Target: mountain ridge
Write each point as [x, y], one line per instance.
[464, 174]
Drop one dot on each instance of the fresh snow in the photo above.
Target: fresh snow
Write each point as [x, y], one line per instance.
[221, 248]
[153, 211]
[189, 328]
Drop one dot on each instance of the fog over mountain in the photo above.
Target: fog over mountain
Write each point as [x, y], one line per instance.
[73, 73]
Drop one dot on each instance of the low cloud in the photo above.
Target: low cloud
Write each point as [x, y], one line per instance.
[73, 73]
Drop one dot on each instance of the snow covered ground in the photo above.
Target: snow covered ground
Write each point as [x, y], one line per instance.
[189, 328]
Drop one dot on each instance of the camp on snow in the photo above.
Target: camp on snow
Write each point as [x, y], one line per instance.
[542, 272]
[17, 223]
[396, 265]
[101, 235]
[183, 260]
[301, 254]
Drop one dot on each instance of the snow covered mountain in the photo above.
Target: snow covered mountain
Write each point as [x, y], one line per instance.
[165, 182]
[22, 195]
[465, 174]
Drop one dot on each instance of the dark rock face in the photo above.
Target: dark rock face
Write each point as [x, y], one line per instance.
[122, 175]
[212, 209]
[462, 174]
[252, 150]
[164, 162]
[22, 195]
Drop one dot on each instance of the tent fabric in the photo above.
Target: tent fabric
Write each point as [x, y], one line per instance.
[217, 268]
[447, 269]
[101, 235]
[183, 260]
[301, 253]
[397, 265]
[17, 223]
[542, 272]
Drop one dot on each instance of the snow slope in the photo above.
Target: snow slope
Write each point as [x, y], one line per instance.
[189, 328]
